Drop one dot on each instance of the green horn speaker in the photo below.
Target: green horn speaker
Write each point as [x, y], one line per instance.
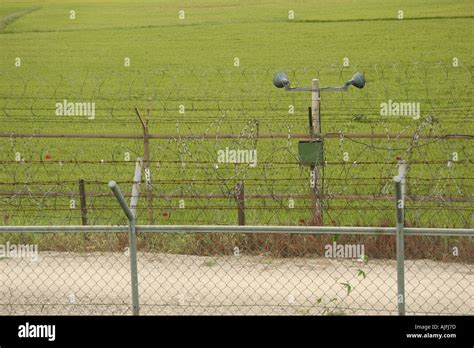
[281, 80]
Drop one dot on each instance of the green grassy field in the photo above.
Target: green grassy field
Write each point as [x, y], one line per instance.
[214, 32]
[190, 62]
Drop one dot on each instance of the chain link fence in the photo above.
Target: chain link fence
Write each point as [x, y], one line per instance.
[236, 273]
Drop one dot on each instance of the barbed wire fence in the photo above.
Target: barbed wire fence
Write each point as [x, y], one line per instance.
[63, 139]
[197, 115]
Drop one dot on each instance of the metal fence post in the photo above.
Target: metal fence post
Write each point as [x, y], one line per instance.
[400, 206]
[132, 240]
[82, 194]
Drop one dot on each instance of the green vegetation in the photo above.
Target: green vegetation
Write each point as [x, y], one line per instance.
[190, 62]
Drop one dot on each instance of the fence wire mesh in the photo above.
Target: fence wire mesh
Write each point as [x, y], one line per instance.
[236, 274]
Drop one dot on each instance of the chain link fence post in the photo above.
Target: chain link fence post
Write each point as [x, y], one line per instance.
[399, 203]
[132, 240]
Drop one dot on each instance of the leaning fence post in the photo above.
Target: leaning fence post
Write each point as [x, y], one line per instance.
[240, 195]
[400, 205]
[132, 240]
[82, 194]
[146, 159]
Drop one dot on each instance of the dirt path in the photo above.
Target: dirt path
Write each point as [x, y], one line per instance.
[98, 283]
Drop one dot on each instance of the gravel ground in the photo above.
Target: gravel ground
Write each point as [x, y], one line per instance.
[98, 284]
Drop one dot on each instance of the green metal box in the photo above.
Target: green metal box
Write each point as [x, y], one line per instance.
[311, 152]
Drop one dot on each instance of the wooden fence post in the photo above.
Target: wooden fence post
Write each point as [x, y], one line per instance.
[146, 160]
[316, 171]
[240, 196]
